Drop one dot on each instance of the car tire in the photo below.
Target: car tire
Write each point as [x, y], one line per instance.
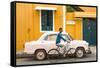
[79, 52]
[40, 54]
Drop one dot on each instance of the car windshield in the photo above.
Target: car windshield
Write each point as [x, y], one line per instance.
[71, 38]
[66, 37]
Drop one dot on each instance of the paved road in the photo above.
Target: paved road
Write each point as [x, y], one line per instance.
[30, 61]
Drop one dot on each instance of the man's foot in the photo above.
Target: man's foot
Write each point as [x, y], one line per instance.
[64, 55]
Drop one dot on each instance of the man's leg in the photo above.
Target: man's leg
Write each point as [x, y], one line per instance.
[60, 45]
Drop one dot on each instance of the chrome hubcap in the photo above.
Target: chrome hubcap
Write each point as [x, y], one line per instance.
[80, 53]
[40, 55]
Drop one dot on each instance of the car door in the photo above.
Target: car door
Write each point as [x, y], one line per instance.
[49, 41]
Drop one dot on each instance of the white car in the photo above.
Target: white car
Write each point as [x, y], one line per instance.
[47, 42]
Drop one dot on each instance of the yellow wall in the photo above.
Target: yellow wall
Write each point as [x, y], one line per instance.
[28, 22]
[75, 30]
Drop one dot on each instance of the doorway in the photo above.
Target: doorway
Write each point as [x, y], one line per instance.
[89, 30]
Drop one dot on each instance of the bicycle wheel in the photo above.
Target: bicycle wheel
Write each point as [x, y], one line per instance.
[52, 55]
[70, 52]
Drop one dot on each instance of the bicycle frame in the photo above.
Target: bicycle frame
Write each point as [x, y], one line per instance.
[65, 51]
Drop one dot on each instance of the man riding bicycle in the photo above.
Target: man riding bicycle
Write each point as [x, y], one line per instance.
[59, 38]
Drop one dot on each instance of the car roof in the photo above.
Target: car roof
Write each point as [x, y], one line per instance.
[48, 33]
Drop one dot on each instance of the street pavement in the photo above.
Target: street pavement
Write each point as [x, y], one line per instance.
[32, 61]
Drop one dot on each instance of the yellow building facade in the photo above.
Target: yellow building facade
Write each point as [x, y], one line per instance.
[74, 25]
[78, 27]
[28, 22]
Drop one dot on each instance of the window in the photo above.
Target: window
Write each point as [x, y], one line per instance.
[51, 37]
[46, 20]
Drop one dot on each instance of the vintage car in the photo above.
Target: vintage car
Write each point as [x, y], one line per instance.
[47, 42]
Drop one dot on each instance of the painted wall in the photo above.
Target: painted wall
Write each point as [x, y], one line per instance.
[75, 30]
[28, 22]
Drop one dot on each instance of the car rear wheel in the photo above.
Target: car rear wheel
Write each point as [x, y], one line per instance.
[79, 52]
[40, 54]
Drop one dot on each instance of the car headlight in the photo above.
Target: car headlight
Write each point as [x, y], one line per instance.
[86, 43]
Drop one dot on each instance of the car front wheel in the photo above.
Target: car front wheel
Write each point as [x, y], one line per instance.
[40, 54]
[79, 52]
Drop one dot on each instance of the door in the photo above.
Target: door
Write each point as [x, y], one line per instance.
[89, 30]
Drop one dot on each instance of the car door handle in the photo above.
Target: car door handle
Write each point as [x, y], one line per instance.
[42, 42]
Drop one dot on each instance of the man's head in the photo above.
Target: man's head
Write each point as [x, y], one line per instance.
[60, 30]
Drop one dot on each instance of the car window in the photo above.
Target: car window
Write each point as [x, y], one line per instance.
[51, 37]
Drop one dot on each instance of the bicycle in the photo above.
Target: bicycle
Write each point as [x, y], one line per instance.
[57, 53]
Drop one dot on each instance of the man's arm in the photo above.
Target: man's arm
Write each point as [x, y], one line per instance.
[62, 37]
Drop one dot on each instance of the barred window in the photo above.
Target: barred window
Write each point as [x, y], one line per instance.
[46, 20]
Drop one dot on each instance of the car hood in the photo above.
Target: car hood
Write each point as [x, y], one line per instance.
[80, 42]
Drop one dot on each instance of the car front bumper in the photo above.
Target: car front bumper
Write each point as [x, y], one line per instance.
[88, 51]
